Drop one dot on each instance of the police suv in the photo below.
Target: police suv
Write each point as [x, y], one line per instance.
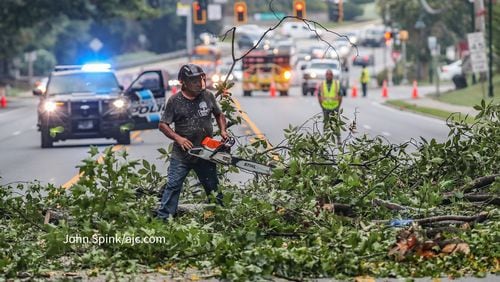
[84, 101]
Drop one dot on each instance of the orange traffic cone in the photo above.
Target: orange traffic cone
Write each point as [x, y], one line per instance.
[272, 89]
[354, 91]
[385, 92]
[3, 102]
[414, 92]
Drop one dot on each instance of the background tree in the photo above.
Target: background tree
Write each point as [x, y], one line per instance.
[405, 14]
[21, 18]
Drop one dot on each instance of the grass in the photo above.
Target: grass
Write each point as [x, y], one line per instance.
[471, 95]
[425, 110]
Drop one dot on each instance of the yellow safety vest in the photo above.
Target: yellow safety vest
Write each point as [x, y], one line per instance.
[330, 101]
[365, 77]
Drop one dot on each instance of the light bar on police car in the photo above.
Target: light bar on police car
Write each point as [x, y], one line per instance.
[96, 67]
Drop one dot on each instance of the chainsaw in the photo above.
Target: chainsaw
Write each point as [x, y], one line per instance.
[219, 152]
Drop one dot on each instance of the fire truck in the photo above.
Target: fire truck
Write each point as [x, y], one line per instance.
[209, 58]
[265, 71]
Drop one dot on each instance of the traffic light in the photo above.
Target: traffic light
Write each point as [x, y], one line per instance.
[240, 12]
[199, 13]
[299, 8]
[388, 38]
[336, 10]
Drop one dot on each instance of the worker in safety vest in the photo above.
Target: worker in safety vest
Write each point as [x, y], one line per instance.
[329, 99]
[365, 78]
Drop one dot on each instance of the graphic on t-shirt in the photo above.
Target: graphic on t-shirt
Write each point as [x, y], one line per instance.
[204, 110]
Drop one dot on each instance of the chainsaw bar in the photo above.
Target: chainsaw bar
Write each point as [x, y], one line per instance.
[227, 159]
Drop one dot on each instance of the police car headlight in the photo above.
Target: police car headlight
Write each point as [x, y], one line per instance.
[119, 103]
[50, 106]
[215, 78]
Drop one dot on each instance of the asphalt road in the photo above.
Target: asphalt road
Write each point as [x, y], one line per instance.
[22, 159]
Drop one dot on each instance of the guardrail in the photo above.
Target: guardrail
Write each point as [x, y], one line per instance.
[151, 60]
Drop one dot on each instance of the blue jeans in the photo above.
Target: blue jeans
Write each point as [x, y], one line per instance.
[177, 172]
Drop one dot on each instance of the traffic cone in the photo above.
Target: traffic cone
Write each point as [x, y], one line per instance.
[354, 91]
[385, 92]
[414, 92]
[272, 89]
[3, 102]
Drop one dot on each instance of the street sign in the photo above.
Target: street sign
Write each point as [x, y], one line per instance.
[95, 45]
[214, 12]
[476, 42]
[431, 42]
[477, 52]
[403, 35]
[183, 10]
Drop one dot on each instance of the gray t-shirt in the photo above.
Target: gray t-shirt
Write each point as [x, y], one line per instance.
[192, 119]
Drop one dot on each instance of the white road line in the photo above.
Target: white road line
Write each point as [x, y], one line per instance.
[435, 120]
[385, 133]
[366, 126]
[16, 133]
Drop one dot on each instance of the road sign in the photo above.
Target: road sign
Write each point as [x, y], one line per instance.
[183, 10]
[95, 45]
[214, 12]
[476, 42]
[477, 52]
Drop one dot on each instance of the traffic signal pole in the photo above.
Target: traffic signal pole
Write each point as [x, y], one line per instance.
[490, 43]
[189, 32]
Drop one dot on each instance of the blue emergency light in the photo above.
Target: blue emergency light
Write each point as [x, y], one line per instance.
[96, 67]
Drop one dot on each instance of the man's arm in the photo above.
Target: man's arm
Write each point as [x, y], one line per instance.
[222, 124]
[170, 133]
[339, 96]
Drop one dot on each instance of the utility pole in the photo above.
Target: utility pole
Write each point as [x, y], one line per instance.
[473, 25]
[490, 43]
[189, 32]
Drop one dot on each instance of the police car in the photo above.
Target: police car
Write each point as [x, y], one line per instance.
[83, 101]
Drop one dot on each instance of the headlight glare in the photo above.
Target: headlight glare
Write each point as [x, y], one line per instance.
[119, 103]
[50, 106]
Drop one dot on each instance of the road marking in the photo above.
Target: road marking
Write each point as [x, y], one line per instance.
[16, 133]
[100, 159]
[435, 120]
[250, 123]
[366, 126]
[385, 133]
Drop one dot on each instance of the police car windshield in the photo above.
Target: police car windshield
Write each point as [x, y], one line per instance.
[83, 82]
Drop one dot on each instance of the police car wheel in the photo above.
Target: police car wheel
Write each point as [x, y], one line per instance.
[46, 140]
[124, 138]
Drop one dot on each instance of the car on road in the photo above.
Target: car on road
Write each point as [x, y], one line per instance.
[447, 72]
[83, 102]
[314, 73]
[299, 30]
[374, 37]
[363, 60]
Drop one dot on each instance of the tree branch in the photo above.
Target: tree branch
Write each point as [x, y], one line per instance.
[479, 183]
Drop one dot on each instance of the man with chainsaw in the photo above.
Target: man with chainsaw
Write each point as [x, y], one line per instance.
[329, 99]
[190, 111]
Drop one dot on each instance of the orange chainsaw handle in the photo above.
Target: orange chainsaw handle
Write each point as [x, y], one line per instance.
[211, 143]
